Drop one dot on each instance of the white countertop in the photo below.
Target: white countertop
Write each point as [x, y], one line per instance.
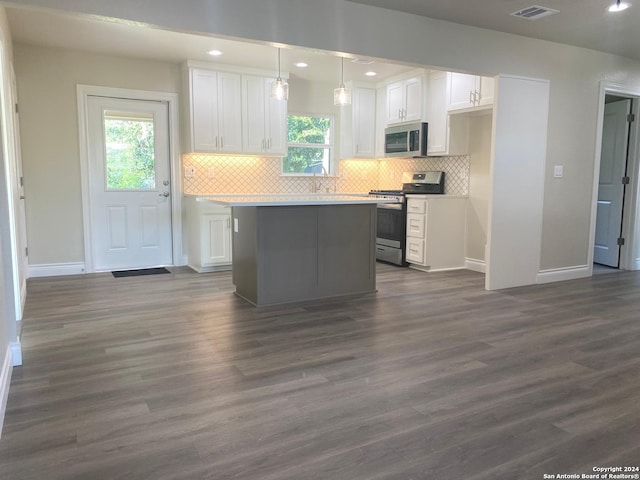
[292, 199]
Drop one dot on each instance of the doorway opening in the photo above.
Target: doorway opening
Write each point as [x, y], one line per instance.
[614, 242]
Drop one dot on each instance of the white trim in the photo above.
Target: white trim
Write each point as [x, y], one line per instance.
[562, 274]
[5, 382]
[16, 353]
[83, 92]
[475, 265]
[56, 269]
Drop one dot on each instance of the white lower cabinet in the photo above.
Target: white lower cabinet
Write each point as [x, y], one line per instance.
[209, 236]
[436, 232]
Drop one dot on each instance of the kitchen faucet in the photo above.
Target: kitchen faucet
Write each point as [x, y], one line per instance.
[316, 186]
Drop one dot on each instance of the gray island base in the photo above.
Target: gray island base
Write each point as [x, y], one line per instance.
[294, 253]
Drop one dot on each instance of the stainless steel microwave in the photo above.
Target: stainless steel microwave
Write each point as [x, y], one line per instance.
[409, 140]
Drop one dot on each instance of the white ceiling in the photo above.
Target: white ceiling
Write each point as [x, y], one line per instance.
[83, 33]
[583, 23]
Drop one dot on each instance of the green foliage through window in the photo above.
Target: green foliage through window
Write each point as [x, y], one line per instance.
[129, 154]
[309, 141]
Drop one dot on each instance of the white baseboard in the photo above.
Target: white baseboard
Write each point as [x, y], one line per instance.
[56, 269]
[562, 274]
[475, 265]
[5, 382]
[16, 353]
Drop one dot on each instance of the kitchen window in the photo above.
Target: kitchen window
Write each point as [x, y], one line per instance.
[310, 145]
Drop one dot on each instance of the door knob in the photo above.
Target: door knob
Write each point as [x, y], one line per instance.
[165, 194]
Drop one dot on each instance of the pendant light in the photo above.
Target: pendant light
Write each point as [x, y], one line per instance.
[280, 87]
[618, 6]
[342, 95]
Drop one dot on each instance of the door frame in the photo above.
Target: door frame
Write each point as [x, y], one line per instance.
[630, 252]
[85, 91]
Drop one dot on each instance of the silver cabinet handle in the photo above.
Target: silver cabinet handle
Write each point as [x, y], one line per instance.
[471, 101]
[165, 194]
[221, 142]
[216, 141]
[228, 223]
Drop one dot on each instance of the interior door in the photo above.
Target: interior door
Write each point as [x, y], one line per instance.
[21, 227]
[613, 162]
[129, 182]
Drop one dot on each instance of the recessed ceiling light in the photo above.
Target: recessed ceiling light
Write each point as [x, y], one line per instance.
[302, 65]
[618, 6]
[371, 74]
[214, 53]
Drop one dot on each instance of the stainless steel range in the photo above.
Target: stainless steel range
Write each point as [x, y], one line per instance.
[392, 217]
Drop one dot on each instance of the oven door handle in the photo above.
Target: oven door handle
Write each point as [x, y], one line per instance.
[390, 206]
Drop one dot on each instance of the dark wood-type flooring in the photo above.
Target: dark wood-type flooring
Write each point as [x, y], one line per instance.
[173, 377]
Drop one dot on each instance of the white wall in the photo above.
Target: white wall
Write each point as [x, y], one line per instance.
[47, 80]
[337, 25]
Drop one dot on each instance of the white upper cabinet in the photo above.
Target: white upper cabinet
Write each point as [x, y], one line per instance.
[404, 101]
[264, 119]
[358, 125]
[215, 101]
[469, 91]
[446, 135]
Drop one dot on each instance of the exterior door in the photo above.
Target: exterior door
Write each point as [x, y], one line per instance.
[129, 182]
[613, 163]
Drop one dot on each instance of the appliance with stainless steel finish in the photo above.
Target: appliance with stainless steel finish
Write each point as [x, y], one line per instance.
[391, 230]
[391, 227]
[409, 140]
[426, 183]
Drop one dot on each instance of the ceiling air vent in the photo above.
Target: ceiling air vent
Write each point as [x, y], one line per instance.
[534, 12]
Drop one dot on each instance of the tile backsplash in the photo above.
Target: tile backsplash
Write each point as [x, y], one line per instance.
[225, 174]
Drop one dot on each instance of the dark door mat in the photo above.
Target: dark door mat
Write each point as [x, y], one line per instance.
[143, 271]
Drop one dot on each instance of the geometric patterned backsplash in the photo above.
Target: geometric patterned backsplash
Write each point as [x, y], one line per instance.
[225, 174]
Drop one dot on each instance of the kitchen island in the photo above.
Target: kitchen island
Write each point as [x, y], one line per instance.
[292, 248]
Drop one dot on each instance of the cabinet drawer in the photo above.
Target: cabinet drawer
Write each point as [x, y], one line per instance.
[415, 205]
[415, 225]
[415, 250]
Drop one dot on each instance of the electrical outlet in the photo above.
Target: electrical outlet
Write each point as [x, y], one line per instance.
[558, 171]
[211, 172]
[189, 171]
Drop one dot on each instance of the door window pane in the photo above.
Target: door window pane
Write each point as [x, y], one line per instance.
[130, 156]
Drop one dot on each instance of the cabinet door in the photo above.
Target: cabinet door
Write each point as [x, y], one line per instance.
[204, 111]
[461, 91]
[275, 122]
[413, 100]
[436, 115]
[415, 250]
[415, 225]
[364, 122]
[253, 120]
[486, 88]
[229, 112]
[395, 102]
[215, 239]
[417, 205]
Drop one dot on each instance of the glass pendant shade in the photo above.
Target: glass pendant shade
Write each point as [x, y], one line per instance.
[280, 87]
[342, 95]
